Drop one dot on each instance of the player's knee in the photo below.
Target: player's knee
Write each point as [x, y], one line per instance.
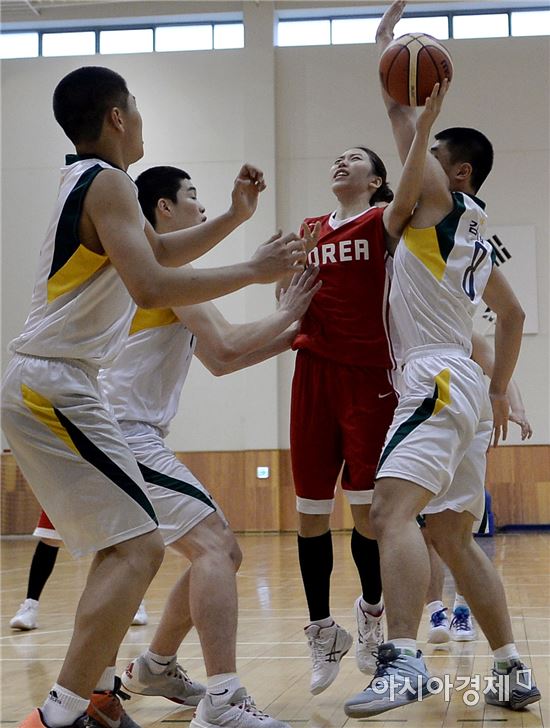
[236, 554]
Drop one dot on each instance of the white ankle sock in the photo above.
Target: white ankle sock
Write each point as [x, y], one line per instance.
[504, 656]
[405, 645]
[434, 607]
[375, 610]
[157, 663]
[326, 622]
[62, 707]
[221, 687]
[107, 680]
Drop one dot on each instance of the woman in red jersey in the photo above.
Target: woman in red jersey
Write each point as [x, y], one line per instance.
[342, 404]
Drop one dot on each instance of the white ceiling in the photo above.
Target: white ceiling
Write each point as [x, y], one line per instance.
[38, 11]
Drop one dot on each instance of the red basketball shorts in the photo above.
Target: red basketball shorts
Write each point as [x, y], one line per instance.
[340, 415]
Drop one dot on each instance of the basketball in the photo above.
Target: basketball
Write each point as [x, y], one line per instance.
[411, 66]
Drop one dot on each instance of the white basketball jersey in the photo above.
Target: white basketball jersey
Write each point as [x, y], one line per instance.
[80, 307]
[439, 275]
[144, 383]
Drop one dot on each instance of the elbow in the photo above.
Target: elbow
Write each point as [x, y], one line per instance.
[147, 297]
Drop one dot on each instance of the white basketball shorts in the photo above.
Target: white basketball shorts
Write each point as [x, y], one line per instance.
[441, 431]
[73, 454]
[179, 499]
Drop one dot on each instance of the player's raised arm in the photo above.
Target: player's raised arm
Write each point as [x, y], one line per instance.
[184, 246]
[112, 208]
[411, 183]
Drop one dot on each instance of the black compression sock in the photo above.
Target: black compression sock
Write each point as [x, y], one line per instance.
[316, 562]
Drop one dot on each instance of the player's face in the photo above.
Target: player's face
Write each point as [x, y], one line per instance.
[187, 210]
[441, 152]
[352, 171]
[134, 131]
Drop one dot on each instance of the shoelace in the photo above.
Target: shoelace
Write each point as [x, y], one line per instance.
[249, 706]
[179, 673]
[461, 621]
[438, 617]
[317, 649]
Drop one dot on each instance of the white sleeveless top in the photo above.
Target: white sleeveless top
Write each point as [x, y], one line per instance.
[80, 307]
[144, 383]
[439, 275]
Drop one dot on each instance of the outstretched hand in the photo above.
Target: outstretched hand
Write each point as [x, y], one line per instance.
[301, 290]
[432, 107]
[384, 32]
[310, 236]
[246, 190]
[278, 257]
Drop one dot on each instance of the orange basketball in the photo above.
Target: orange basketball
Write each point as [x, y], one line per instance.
[411, 66]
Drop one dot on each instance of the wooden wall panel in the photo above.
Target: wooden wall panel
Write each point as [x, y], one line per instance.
[518, 478]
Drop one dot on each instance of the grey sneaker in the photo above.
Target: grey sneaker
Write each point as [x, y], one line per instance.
[239, 712]
[173, 684]
[26, 616]
[512, 689]
[328, 645]
[399, 679]
[370, 635]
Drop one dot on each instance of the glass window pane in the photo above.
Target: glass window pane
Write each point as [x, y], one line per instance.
[184, 38]
[126, 41]
[438, 27]
[480, 26]
[18, 45]
[354, 30]
[536, 22]
[68, 44]
[229, 35]
[303, 32]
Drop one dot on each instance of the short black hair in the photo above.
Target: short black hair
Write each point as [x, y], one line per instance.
[157, 182]
[82, 98]
[469, 145]
[383, 193]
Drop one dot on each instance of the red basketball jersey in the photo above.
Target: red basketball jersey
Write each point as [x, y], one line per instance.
[347, 321]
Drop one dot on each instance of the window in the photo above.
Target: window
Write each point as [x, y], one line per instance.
[183, 38]
[491, 25]
[126, 41]
[18, 45]
[68, 44]
[303, 32]
[531, 23]
[229, 35]
[354, 30]
[436, 26]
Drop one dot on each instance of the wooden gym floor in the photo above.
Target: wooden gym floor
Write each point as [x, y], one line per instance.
[273, 658]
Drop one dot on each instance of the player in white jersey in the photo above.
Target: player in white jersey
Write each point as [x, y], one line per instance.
[434, 456]
[144, 386]
[98, 255]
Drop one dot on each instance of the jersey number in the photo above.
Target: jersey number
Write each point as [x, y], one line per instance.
[468, 282]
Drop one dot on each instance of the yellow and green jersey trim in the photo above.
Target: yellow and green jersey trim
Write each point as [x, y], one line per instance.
[72, 263]
[152, 318]
[430, 407]
[433, 245]
[76, 441]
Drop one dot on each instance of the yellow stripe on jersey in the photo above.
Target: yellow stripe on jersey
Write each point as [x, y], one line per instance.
[79, 268]
[152, 318]
[443, 384]
[424, 245]
[43, 410]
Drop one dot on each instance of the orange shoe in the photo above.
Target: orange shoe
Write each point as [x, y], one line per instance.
[36, 720]
[106, 709]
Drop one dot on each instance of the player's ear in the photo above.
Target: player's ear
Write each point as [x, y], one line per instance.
[163, 208]
[464, 171]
